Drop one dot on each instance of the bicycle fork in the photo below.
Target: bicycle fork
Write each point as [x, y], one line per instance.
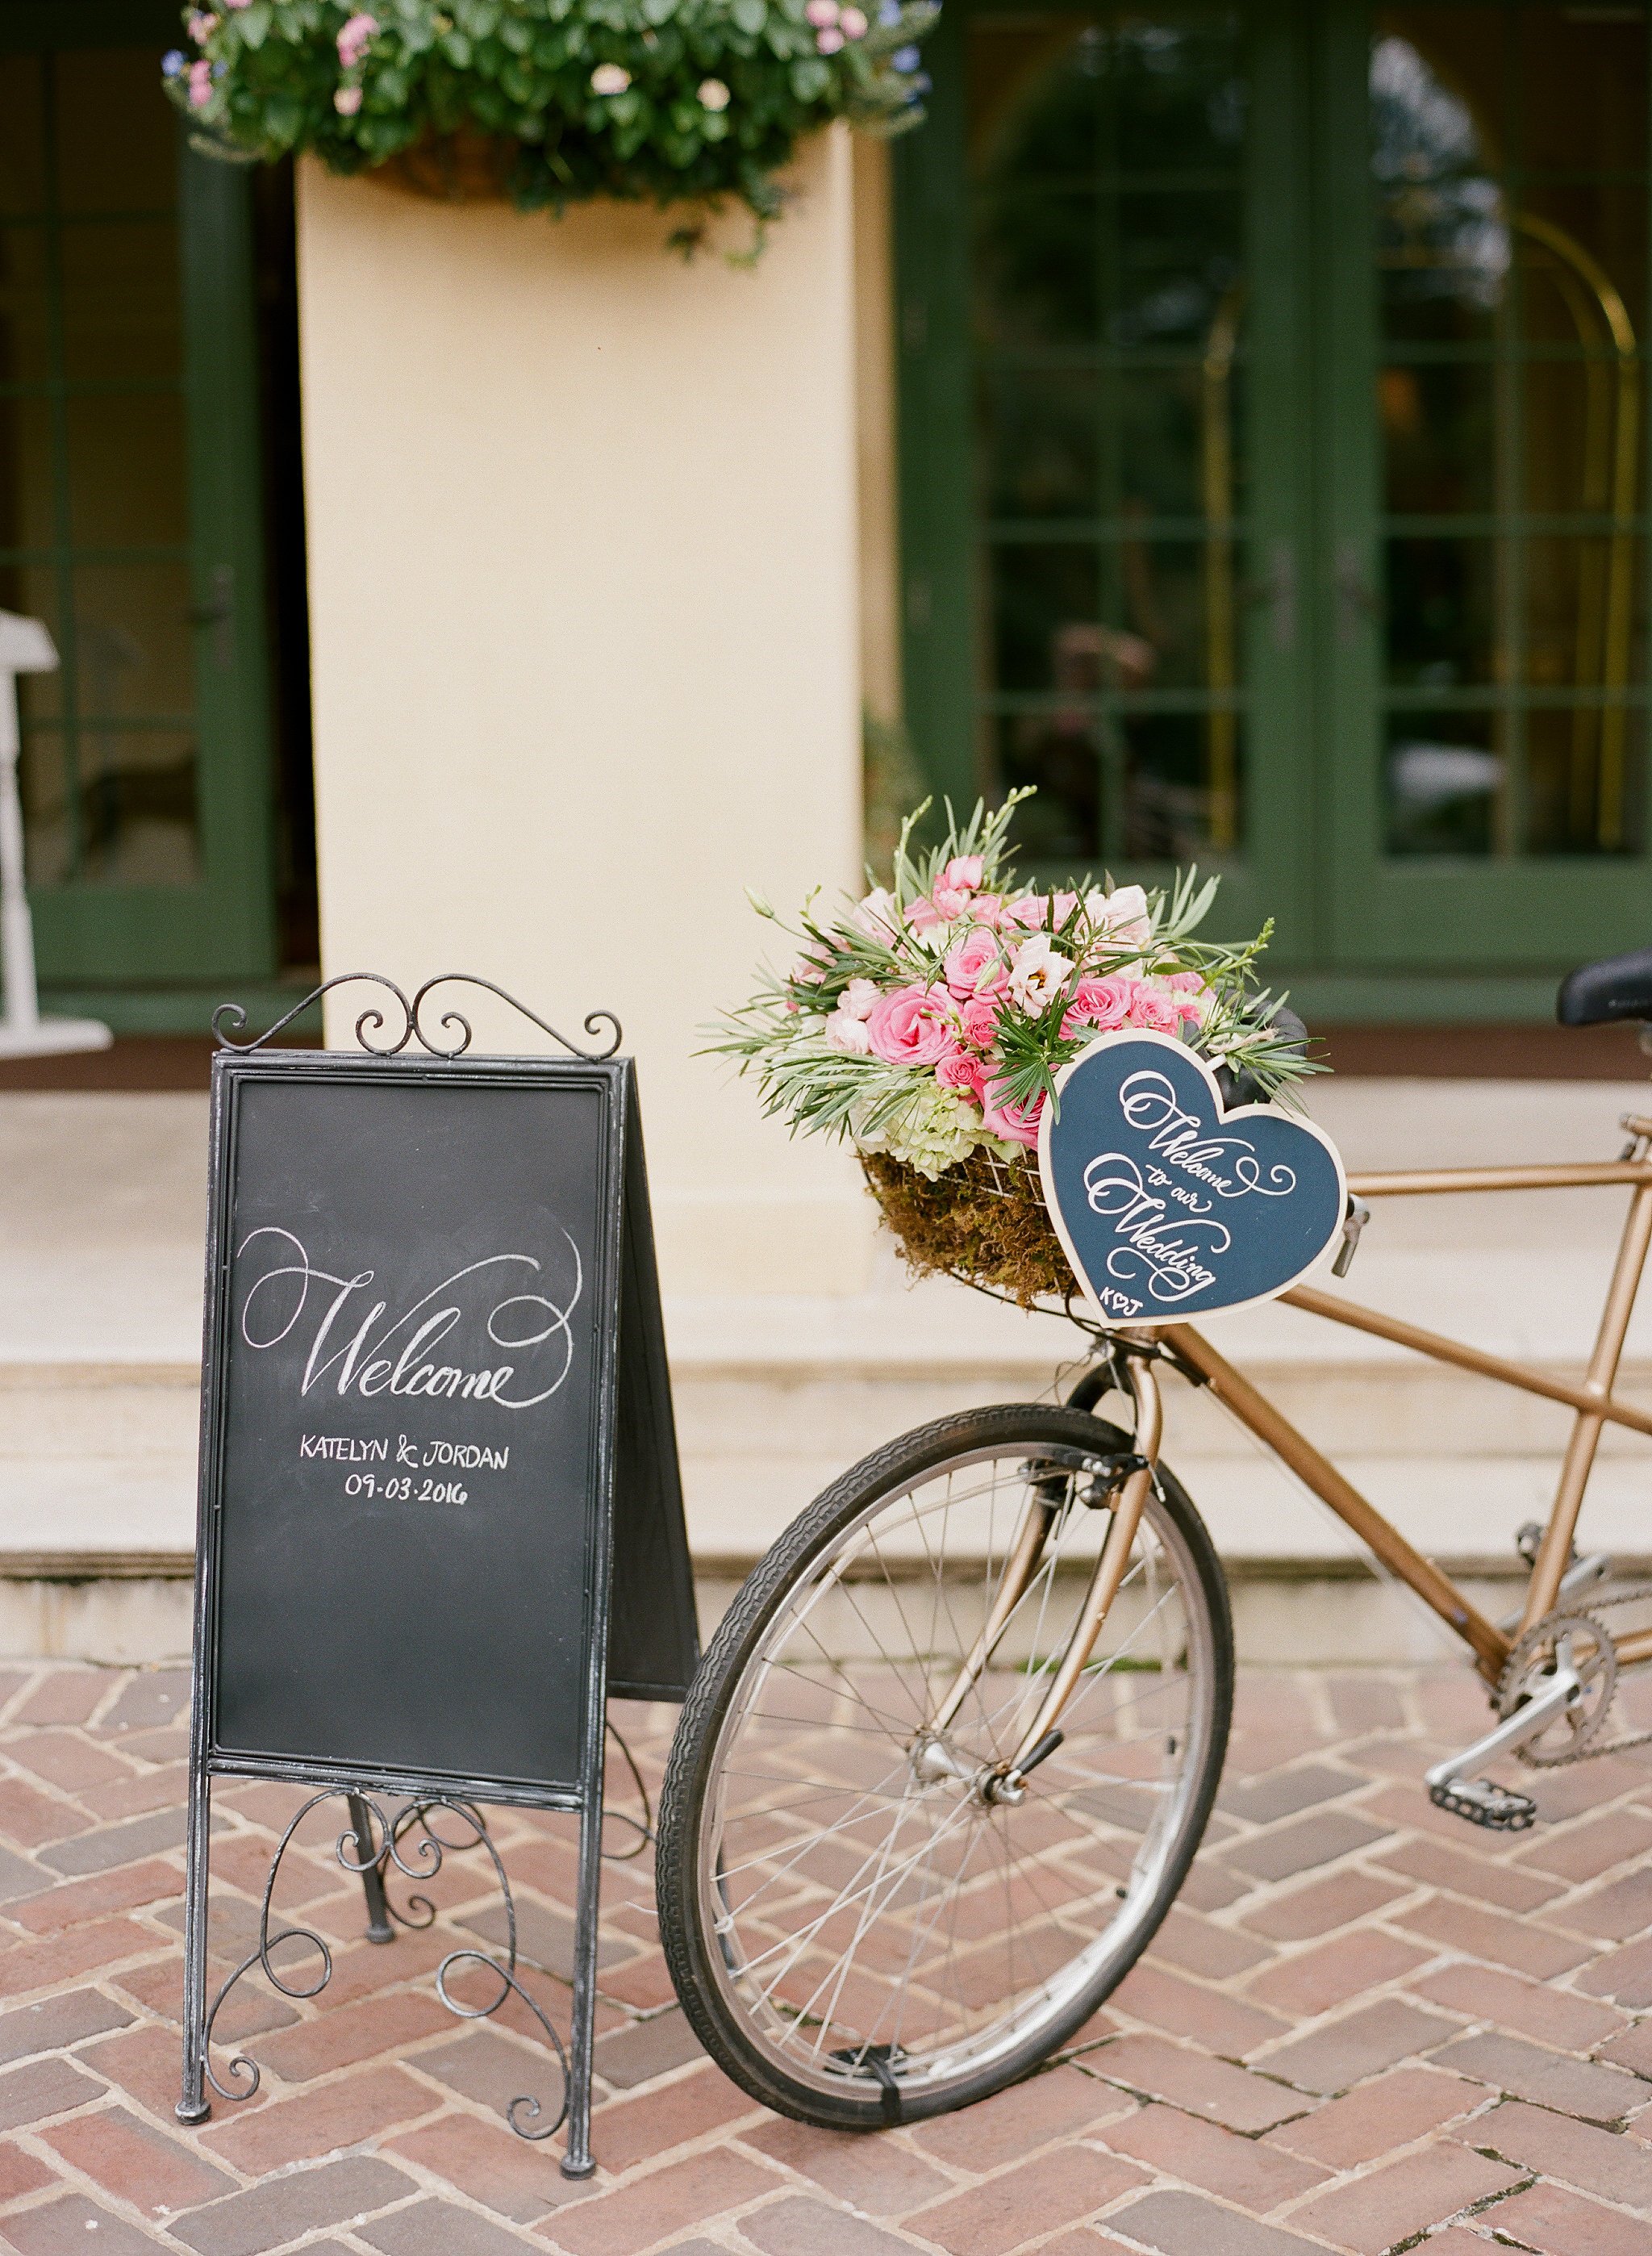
[1006, 1782]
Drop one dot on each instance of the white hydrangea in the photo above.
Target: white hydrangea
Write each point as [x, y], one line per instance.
[931, 1131]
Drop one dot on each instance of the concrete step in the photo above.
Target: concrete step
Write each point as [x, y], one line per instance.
[101, 1200]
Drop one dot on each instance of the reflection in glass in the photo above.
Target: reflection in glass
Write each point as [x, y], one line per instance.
[1511, 248]
[1107, 155]
[1446, 776]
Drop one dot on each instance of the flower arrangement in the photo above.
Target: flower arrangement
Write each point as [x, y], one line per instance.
[926, 1022]
[676, 100]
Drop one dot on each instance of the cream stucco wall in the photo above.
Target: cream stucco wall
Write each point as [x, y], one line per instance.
[584, 599]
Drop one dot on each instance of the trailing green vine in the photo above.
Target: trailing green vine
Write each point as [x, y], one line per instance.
[666, 101]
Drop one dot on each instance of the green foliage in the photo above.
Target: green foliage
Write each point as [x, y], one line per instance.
[693, 100]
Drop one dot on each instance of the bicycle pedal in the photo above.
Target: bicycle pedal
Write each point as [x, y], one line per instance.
[1497, 1807]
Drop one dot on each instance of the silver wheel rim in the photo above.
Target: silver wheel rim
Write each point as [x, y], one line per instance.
[866, 1925]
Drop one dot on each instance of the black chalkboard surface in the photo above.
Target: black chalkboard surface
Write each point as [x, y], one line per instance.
[425, 1318]
[440, 1511]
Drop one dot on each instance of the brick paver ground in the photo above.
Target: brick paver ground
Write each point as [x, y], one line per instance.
[1366, 2026]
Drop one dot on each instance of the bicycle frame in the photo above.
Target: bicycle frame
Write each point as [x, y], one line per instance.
[1595, 1404]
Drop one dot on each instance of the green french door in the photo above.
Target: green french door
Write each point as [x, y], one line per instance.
[129, 510]
[1274, 460]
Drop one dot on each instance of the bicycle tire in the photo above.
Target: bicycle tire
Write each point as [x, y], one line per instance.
[761, 2046]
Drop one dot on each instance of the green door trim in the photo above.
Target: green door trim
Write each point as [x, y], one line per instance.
[106, 936]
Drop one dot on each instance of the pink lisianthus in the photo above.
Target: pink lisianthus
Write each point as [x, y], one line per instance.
[1098, 1004]
[1154, 1010]
[1123, 916]
[964, 872]
[958, 1070]
[857, 998]
[810, 969]
[974, 964]
[988, 909]
[1016, 1124]
[978, 1018]
[1034, 910]
[354, 40]
[912, 1026]
[1038, 975]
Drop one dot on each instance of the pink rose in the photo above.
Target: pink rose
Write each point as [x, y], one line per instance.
[1016, 1124]
[200, 85]
[974, 964]
[958, 1070]
[1102, 1004]
[964, 872]
[912, 1026]
[1152, 1008]
[978, 1018]
[988, 909]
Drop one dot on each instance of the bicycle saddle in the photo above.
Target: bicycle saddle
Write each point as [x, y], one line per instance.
[1618, 987]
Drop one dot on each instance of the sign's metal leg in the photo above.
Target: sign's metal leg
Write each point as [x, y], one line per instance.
[193, 2106]
[577, 2161]
[378, 1917]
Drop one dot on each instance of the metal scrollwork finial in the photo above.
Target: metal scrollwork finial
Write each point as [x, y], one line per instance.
[230, 1018]
[455, 1020]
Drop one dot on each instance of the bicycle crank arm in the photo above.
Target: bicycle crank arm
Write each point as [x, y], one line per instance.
[1104, 1587]
[1450, 1785]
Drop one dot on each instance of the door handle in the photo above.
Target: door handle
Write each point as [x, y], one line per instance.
[1356, 603]
[218, 613]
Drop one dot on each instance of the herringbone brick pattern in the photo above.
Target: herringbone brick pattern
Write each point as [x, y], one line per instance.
[1364, 2025]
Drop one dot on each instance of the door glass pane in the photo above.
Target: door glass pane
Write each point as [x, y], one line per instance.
[1107, 172]
[94, 482]
[1509, 163]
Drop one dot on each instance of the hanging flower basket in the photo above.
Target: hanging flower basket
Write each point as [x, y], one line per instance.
[926, 1025]
[550, 103]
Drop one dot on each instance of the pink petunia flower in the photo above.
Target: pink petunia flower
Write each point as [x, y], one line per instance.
[1016, 1124]
[912, 1026]
[354, 39]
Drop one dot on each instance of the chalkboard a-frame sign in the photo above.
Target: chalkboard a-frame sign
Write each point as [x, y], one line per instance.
[440, 1515]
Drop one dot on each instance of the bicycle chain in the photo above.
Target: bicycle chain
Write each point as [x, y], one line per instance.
[1588, 1744]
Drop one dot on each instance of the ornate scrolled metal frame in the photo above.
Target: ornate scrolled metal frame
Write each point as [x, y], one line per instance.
[357, 1853]
[230, 1018]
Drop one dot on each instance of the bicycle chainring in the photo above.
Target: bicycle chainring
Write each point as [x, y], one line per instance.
[1585, 1644]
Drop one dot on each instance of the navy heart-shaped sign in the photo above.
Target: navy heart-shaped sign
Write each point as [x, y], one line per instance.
[1170, 1207]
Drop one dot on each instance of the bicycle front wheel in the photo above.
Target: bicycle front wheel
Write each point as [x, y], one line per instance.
[860, 1934]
